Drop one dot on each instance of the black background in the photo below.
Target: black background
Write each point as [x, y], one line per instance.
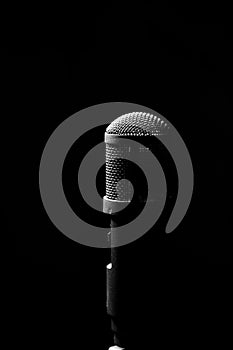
[175, 62]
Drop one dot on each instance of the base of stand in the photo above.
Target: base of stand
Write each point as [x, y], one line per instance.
[115, 347]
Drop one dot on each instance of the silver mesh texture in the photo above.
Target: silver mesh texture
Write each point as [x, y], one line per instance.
[116, 187]
[131, 124]
[138, 124]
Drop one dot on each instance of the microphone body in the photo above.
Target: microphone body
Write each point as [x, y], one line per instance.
[124, 288]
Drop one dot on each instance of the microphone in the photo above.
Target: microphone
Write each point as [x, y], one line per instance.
[124, 200]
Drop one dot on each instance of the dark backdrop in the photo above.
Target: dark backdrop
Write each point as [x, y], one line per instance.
[175, 62]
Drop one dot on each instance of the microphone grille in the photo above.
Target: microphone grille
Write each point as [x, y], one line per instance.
[138, 124]
[132, 124]
[116, 167]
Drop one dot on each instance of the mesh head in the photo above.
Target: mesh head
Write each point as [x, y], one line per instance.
[132, 124]
[138, 124]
